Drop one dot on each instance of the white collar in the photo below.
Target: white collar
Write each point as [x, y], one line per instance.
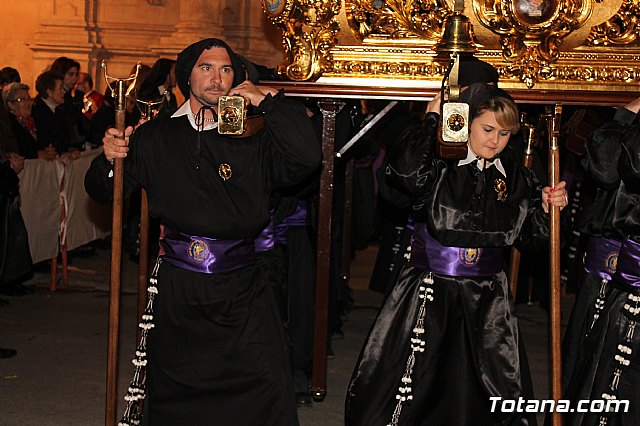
[185, 109]
[472, 156]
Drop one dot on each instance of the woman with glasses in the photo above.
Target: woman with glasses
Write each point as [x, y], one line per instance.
[18, 101]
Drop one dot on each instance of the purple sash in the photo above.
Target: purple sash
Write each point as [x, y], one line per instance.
[601, 257]
[205, 255]
[427, 252]
[297, 218]
[266, 240]
[628, 270]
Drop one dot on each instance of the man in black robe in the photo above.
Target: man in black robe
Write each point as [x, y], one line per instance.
[217, 353]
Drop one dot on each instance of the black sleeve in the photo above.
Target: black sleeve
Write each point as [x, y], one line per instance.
[294, 148]
[98, 181]
[411, 158]
[603, 149]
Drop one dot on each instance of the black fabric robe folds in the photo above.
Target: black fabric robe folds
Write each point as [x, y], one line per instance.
[473, 349]
[218, 353]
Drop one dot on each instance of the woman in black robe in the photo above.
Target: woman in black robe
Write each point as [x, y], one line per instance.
[608, 365]
[446, 341]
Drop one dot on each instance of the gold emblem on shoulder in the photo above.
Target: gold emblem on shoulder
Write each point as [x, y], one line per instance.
[500, 186]
[224, 171]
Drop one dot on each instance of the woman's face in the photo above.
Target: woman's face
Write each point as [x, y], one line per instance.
[70, 78]
[486, 137]
[21, 104]
[56, 95]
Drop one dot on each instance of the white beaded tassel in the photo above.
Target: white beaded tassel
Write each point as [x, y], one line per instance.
[136, 392]
[418, 343]
[599, 304]
[623, 356]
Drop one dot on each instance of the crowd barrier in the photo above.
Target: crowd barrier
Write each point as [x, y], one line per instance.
[58, 213]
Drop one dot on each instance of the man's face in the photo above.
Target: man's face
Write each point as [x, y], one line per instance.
[82, 83]
[211, 77]
[56, 95]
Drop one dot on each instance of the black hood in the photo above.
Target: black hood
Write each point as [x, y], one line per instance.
[189, 56]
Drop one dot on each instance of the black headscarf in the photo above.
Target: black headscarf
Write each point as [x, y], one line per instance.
[473, 70]
[156, 76]
[188, 57]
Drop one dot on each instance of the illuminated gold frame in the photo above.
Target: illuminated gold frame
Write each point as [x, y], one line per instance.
[582, 45]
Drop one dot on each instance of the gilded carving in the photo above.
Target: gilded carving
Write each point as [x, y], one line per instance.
[309, 30]
[397, 19]
[532, 43]
[531, 31]
[621, 30]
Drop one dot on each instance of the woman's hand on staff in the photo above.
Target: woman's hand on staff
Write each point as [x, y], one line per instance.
[114, 145]
[557, 196]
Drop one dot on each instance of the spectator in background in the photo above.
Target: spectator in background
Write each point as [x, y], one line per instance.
[8, 143]
[92, 100]
[49, 115]
[77, 124]
[158, 86]
[19, 103]
[15, 256]
[9, 75]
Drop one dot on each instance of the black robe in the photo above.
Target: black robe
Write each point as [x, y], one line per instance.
[217, 354]
[601, 163]
[599, 372]
[473, 349]
[28, 146]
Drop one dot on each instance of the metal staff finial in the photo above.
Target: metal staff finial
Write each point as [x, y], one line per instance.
[148, 109]
[132, 79]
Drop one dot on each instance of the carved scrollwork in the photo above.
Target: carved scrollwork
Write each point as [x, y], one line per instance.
[309, 30]
[532, 43]
[531, 31]
[621, 30]
[397, 19]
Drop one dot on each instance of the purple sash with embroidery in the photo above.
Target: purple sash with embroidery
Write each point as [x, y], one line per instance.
[205, 255]
[427, 252]
[266, 240]
[297, 218]
[601, 257]
[628, 270]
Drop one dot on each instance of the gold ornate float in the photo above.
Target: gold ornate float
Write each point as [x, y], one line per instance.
[546, 45]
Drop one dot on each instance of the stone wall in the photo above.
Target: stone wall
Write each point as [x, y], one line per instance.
[122, 32]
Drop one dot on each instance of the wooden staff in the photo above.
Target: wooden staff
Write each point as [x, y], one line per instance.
[529, 133]
[120, 92]
[330, 109]
[554, 263]
[347, 215]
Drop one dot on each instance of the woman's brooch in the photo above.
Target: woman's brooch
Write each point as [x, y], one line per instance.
[500, 186]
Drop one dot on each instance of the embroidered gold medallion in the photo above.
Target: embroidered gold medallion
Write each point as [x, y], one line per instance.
[500, 186]
[224, 171]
